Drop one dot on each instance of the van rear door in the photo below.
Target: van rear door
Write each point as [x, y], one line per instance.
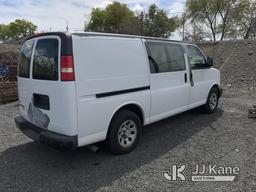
[45, 99]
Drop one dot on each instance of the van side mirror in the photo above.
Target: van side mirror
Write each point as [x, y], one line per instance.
[209, 62]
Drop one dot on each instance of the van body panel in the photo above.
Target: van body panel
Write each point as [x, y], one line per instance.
[107, 65]
[95, 115]
[203, 79]
[169, 87]
[110, 72]
[62, 113]
[61, 117]
[24, 93]
[169, 94]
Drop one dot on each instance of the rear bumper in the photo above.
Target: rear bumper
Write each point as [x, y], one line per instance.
[47, 137]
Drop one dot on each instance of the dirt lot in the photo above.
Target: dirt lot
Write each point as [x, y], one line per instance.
[224, 138]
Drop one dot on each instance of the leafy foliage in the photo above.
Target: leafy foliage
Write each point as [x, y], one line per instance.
[197, 33]
[113, 19]
[18, 29]
[217, 15]
[118, 18]
[4, 32]
[244, 21]
[157, 23]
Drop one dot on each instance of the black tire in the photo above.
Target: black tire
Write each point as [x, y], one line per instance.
[210, 106]
[119, 143]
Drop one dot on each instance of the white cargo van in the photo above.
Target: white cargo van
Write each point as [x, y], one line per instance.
[82, 88]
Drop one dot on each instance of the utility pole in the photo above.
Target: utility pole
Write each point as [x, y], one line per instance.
[183, 28]
[142, 23]
[67, 28]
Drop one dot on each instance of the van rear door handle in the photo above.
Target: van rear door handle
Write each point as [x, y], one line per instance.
[185, 77]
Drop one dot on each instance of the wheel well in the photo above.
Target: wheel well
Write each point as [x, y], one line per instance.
[217, 87]
[133, 108]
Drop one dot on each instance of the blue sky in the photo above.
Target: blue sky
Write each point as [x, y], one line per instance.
[51, 14]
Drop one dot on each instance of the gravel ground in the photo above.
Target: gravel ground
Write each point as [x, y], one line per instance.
[224, 138]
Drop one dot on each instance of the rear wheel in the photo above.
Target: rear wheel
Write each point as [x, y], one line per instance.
[124, 132]
[212, 101]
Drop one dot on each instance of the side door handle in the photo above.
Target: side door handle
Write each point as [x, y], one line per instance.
[185, 77]
[191, 79]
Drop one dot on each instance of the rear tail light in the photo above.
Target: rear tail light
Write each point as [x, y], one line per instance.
[67, 68]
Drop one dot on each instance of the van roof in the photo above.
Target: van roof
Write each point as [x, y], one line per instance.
[84, 34]
[122, 36]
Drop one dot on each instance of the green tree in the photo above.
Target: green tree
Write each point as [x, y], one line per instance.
[197, 34]
[21, 28]
[16, 30]
[217, 15]
[115, 18]
[118, 18]
[98, 20]
[227, 9]
[244, 21]
[4, 32]
[158, 24]
[203, 11]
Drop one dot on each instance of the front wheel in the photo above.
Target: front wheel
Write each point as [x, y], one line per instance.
[212, 101]
[124, 132]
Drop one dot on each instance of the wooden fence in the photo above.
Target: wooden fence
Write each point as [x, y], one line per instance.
[8, 91]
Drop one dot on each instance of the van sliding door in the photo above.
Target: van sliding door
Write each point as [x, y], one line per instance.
[168, 79]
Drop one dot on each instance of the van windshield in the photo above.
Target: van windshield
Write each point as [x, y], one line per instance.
[46, 59]
[25, 57]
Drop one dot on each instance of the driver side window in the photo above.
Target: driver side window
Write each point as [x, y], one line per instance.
[195, 57]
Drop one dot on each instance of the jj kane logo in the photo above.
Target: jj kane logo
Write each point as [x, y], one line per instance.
[177, 172]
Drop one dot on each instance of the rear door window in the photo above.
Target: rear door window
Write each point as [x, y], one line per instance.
[46, 59]
[25, 58]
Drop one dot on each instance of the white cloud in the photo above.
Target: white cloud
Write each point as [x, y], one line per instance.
[137, 7]
[47, 15]
[176, 8]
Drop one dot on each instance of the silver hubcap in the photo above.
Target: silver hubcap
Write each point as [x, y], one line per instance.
[213, 101]
[127, 133]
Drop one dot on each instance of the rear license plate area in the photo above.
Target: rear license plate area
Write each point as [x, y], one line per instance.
[41, 101]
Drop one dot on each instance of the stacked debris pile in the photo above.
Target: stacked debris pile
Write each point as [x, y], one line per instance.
[237, 63]
[9, 56]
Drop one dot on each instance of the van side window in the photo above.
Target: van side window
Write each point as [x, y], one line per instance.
[46, 59]
[195, 57]
[25, 58]
[157, 58]
[165, 57]
[176, 57]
